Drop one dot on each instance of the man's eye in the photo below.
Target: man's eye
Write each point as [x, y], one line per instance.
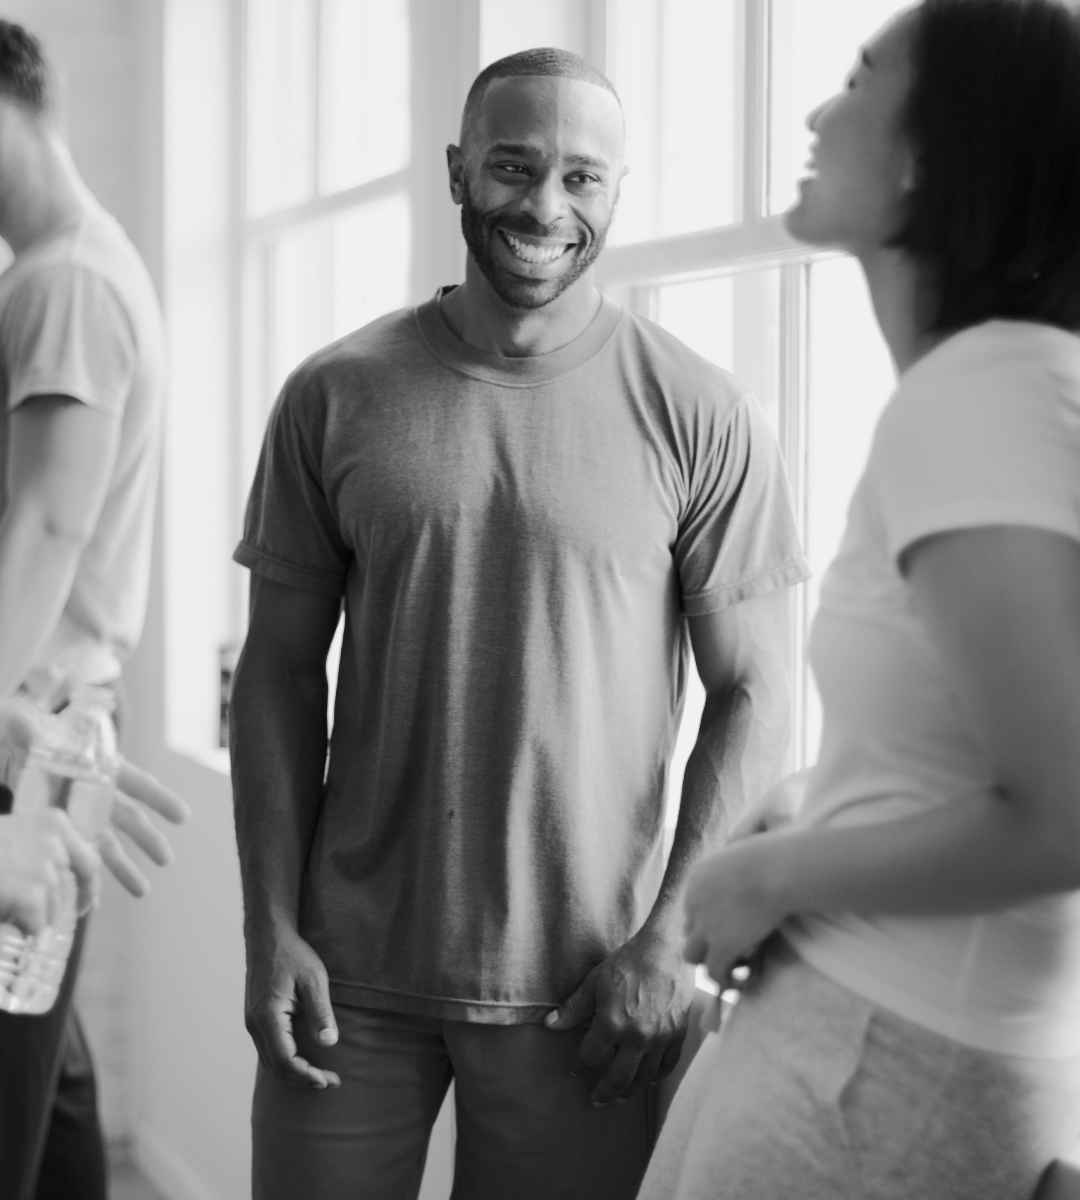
[511, 168]
[583, 180]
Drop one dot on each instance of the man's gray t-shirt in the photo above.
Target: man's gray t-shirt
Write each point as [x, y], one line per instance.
[516, 541]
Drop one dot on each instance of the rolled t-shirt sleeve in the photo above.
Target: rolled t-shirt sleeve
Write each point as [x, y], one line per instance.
[737, 535]
[992, 448]
[65, 331]
[290, 533]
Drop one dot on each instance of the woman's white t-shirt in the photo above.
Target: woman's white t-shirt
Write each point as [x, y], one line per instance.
[985, 430]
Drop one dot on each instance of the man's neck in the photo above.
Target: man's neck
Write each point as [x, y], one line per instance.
[483, 320]
[45, 195]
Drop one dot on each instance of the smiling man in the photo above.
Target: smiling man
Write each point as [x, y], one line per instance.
[532, 505]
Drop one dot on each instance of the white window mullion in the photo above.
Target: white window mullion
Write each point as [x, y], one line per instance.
[755, 156]
[794, 442]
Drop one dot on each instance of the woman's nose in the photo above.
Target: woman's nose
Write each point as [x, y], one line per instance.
[812, 116]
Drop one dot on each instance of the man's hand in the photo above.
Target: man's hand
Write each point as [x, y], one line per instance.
[636, 1004]
[284, 976]
[35, 848]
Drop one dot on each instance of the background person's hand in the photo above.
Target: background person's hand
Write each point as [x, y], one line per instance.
[636, 1003]
[287, 982]
[136, 791]
[34, 850]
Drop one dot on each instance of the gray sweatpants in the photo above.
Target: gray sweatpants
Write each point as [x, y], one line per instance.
[814, 1093]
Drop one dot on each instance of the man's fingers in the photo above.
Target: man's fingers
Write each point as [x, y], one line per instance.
[650, 1068]
[579, 1007]
[617, 1081]
[279, 1053]
[669, 1060]
[126, 872]
[597, 1049]
[140, 785]
[131, 819]
[314, 992]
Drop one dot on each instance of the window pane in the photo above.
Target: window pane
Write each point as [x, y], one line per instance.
[333, 276]
[676, 66]
[507, 26]
[371, 263]
[851, 377]
[814, 45]
[280, 103]
[364, 91]
[734, 320]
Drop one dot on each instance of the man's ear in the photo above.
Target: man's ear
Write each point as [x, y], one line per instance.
[455, 165]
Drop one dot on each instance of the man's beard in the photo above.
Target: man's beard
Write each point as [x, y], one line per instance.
[516, 290]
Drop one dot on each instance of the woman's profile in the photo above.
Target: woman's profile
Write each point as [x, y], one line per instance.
[912, 1026]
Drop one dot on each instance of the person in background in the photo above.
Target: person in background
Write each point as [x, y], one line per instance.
[532, 505]
[80, 423]
[912, 1029]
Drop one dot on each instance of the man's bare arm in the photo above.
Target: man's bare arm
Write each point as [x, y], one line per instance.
[638, 998]
[278, 734]
[60, 460]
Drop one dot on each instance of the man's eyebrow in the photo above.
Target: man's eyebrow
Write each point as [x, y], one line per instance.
[584, 160]
[520, 149]
[525, 150]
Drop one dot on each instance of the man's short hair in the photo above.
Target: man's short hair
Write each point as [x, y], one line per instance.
[25, 76]
[994, 120]
[545, 60]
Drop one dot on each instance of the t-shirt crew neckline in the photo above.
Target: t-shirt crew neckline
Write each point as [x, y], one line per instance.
[525, 372]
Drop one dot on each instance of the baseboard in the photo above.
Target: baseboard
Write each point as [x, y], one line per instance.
[166, 1170]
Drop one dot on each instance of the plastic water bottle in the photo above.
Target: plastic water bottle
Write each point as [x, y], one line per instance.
[72, 765]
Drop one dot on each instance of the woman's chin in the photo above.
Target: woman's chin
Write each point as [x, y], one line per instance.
[803, 223]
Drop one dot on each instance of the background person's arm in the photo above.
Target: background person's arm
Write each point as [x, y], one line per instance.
[59, 463]
[638, 998]
[1002, 605]
[278, 732]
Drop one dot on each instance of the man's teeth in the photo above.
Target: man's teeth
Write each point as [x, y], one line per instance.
[535, 254]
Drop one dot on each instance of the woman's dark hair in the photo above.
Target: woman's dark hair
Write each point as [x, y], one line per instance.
[994, 120]
[24, 72]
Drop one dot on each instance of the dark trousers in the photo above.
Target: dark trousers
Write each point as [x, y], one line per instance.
[50, 1139]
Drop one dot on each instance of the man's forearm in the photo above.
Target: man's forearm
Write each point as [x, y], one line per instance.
[278, 736]
[739, 752]
[37, 567]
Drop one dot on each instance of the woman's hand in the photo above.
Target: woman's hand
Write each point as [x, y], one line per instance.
[733, 904]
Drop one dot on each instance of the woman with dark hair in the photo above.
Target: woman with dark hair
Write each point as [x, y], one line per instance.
[911, 1027]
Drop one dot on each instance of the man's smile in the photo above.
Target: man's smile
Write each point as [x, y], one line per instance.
[535, 250]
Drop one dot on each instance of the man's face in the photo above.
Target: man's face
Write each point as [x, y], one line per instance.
[537, 179]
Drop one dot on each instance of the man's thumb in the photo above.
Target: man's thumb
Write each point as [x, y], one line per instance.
[574, 1010]
[320, 1014]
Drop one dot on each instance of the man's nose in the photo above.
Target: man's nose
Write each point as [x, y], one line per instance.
[545, 201]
